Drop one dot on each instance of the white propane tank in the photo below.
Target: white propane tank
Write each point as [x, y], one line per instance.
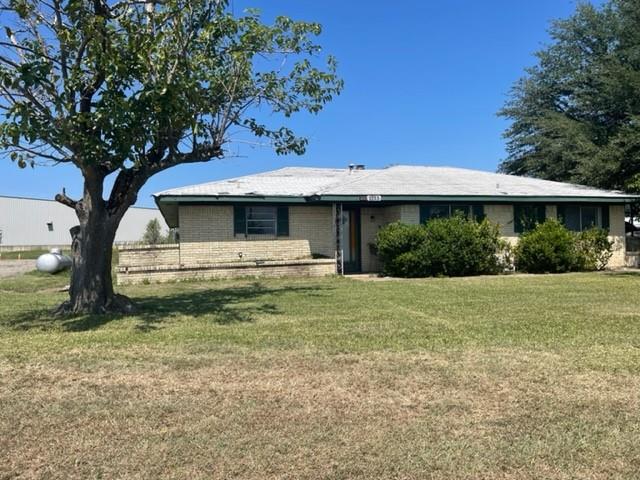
[53, 262]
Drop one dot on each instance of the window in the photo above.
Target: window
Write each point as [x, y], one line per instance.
[570, 217]
[526, 217]
[261, 220]
[583, 217]
[428, 212]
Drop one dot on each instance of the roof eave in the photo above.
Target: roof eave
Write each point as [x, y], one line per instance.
[480, 198]
[167, 203]
[167, 198]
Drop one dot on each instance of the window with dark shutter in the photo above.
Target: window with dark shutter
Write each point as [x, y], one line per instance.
[283, 221]
[239, 221]
[605, 217]
[261, 220]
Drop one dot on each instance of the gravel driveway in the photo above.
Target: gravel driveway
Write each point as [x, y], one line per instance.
[8, 268]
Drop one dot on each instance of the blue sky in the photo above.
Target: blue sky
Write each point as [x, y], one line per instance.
[423, 82]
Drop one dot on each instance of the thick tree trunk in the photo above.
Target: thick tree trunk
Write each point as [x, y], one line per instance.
[91, 287]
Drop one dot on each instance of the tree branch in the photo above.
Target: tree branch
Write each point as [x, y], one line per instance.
[65, 200]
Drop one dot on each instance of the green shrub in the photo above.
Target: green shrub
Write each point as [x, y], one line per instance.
[457, 246]
[594, 249]
[396, 246]
[548, 248]
[453, 246]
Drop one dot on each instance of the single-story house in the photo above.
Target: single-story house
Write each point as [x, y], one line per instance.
[309, 214]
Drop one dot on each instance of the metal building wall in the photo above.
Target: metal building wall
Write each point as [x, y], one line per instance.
[24, 221]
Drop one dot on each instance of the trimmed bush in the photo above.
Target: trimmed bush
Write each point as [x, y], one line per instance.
[397, 244]
[551, 248]
[594, 249]
[453, 246]
[548, 248]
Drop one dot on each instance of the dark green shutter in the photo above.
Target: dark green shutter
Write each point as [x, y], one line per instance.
[283, 221]
[239, 221]
[478, 212]
[605, 217]
[541, 213]
[424, 214]
[560, 213]
[517, 219]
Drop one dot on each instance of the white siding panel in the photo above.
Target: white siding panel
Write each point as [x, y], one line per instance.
[23, 221]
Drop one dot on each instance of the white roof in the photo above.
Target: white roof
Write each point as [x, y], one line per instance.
[400, 180]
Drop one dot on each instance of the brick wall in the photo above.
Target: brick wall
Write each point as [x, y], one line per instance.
[148, 255]
[410, 214]
[314, 224]
[292, 268]
[194, 253]
[617, 236]
[503, 216]
[205, 223]
[201, 224]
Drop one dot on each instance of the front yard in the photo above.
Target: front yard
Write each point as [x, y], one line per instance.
[489, 377]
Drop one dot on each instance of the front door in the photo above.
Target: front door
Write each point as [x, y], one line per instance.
[350, 239]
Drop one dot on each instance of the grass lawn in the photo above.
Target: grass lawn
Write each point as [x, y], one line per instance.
[513, 377]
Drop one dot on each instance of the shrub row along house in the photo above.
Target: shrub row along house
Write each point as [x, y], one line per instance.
[317, 221]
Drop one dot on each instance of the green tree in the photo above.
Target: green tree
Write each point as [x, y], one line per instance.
[576, 114]
[153, 233]
[132, 88]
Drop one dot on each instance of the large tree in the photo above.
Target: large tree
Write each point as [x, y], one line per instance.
[576, 114]
[131, 88]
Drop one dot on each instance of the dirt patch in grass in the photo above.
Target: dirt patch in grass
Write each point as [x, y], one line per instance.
[473, 414]
[9, 268]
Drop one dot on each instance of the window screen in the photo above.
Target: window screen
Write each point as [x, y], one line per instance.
[578, 217]
[570, 216]
[261, 220]
[589, 217]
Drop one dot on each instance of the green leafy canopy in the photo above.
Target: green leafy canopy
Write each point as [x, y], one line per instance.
[576, 114]
[142, 86]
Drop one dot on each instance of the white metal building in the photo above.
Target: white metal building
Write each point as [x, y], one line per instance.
[33, 221]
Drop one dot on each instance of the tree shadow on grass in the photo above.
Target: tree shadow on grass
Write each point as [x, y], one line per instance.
[222, 305]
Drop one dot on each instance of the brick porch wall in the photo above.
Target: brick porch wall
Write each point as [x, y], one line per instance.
[270, 269]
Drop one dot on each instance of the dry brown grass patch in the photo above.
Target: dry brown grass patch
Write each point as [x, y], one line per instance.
[472, 414]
